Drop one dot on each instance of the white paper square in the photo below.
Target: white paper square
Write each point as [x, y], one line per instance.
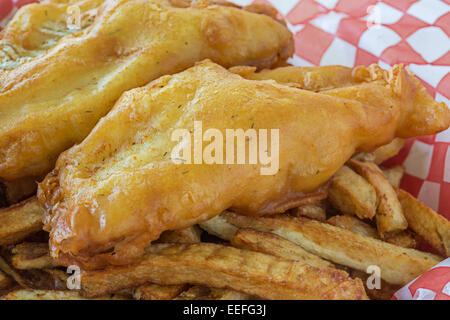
[430, 42]
[429, 194]
[418, 161]
[376, 40]
[430, 73]
[284, 6]
[340, 52]
[428, 10]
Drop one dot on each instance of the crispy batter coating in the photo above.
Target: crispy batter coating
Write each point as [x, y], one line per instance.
[114, 193]
[56, 82]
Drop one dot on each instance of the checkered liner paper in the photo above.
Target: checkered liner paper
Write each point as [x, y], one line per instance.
[387, 32]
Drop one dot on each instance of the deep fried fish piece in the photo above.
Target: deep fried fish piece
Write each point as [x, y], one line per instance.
[114, 193]
[369, 85]
[56, 83]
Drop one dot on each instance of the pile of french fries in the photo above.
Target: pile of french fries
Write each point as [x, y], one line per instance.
[322, 250]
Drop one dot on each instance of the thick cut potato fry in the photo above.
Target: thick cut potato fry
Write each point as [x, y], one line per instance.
[219, 227]
[220, 266]
[32, 255]
[205, 293]
[402, 239]
[20, 220]
[399, 265]
[12, 192]
[313, 211]
[389, 212]
[5, 281]
[151, 291]
[187, 235]
[47, 279]
[270, 243]
[432, 227]
[26, 294]
[353, 224]
[394, 175]
[352, 194]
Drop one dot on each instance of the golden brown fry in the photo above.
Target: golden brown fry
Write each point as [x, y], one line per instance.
[187, 235]
[32, 255]
[428, 224]
[5, 281]
[402, 239]
[12, 192]
[389, 212]
[394, 175]
[389, 150]
[153, 291]
[399, 265]
[51, 279]
[354, 224]
[352, 194]
[26, 294]
[20, 220]
[205, 293]
[272, 244]
[313, 211]
[219, 227]
[220, 266]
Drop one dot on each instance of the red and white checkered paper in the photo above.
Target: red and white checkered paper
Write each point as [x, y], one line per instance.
[361, 32]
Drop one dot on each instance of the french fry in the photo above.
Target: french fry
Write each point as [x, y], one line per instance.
[399, 265]
[219, 227]
[187, 235]
[48, 279]
[32, 255]
[432, 227]
[205, 293]
[402, 239]
[394, 175]
[5, 281]
[12, 192]
[352, 194]
[353, 224]
[313, 211]
[153, 291]
[270, 243]
[390, 217]
[27, 294]
[389, 150]
[221, 266]
[30, 294]
[20, 220]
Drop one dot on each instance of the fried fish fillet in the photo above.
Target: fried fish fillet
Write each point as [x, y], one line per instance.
[371, 85]
[115, 192]
[56, 83]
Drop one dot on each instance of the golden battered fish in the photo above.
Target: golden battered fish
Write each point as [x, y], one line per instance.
[113, 194]
[57, 82]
